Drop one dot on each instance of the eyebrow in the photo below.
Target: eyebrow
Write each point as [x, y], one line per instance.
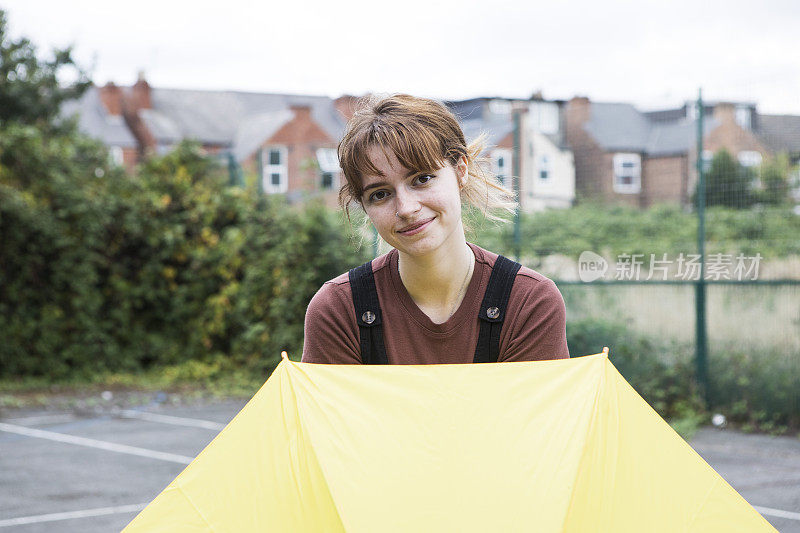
[382, 183]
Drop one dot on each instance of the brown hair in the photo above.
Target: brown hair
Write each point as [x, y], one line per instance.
[422, 134]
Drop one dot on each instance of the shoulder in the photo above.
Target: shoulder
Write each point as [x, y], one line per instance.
[331, 294]
[331, 330]
[336, 294]
[536, 317]
[533, 292]
[526, 279]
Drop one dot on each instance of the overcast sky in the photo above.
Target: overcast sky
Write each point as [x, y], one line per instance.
[652, 54]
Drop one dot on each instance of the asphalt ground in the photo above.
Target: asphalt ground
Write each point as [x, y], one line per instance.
[79, 470]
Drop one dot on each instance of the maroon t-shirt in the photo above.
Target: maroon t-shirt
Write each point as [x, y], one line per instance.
[534, 327]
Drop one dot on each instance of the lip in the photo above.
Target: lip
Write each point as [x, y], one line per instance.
[413, 229]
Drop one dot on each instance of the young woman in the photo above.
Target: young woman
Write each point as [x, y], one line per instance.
[434, 298]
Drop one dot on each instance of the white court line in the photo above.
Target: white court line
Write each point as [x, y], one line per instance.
[42, 419]
[777, 513]
[92, 443]
[174, 420]
[53, 517]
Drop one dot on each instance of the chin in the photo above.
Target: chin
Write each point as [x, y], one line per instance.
[419, 248]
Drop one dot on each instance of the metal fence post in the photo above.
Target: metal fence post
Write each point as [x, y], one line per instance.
[516, 177]
[701, 339]
[260, 165]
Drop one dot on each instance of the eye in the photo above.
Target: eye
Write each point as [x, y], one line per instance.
[423, 179]
[377, 196]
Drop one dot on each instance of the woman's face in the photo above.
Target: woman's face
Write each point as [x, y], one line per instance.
[417, 213]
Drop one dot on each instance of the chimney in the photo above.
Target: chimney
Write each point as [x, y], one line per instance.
[725, 112]
[111, 96]
[346, 105]
[133, 101]
[140, 94]
[578, 109]
[301, 111]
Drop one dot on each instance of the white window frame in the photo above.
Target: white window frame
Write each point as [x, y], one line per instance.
[707, 159]
[544, 164]
[742, 115]
[749, 158]
[268, 169]
[503, 174]
[116, 155]
[328, 161]
[621, 170]
[500, 107]
[691, 110]
[544, 117]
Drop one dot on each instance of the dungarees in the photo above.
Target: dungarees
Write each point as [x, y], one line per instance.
[492, 312]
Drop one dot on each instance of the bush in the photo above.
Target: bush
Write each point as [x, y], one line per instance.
[666, 383]
[612, 230]
[753, 390]
[121, 273]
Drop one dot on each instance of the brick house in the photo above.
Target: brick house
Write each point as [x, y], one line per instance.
[781, 134]
[547, 173]
[626, 156]
[101, 118]
[286, 142]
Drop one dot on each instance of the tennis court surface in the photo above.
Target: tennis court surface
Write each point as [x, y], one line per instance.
[81, 470]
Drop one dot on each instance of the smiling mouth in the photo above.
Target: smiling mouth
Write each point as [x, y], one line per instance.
[415, 228]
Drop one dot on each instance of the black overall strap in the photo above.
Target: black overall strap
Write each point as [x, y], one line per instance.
[493, 309]
[368, 315]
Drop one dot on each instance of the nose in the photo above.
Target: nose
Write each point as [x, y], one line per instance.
[406, 203]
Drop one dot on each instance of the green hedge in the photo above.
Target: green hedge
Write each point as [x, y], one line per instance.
[754, 390]
[103, 271]
[612, 230]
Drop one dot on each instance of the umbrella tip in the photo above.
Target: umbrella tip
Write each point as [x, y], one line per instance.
[284, 355]
[605, 350]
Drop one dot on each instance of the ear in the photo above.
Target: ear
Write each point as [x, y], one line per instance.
[462, 171]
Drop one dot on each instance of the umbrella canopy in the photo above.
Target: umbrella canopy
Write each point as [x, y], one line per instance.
[548, 446]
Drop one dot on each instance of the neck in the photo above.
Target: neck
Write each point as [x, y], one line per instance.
[436, 280]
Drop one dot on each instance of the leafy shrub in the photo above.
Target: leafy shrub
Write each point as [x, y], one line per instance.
[121, 273]
[612, 230]
[666, 383]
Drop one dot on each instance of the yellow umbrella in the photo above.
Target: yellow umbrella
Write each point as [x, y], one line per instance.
[548, 446]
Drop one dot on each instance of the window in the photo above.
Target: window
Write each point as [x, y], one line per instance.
[749, 158]
[743, 116]
[501, 161]
[708, 157]
[691, 110]
[544, 117]
[275, 177]
[500, 107]
[115, 153]
[627, 173]
[544, 167]
[328, 167]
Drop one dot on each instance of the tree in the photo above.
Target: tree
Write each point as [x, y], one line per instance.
[775, 180]
[32, 89]
[728, 183]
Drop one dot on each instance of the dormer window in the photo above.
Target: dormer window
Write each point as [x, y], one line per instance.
[328, 167]
[743, 117]
[500, 107]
